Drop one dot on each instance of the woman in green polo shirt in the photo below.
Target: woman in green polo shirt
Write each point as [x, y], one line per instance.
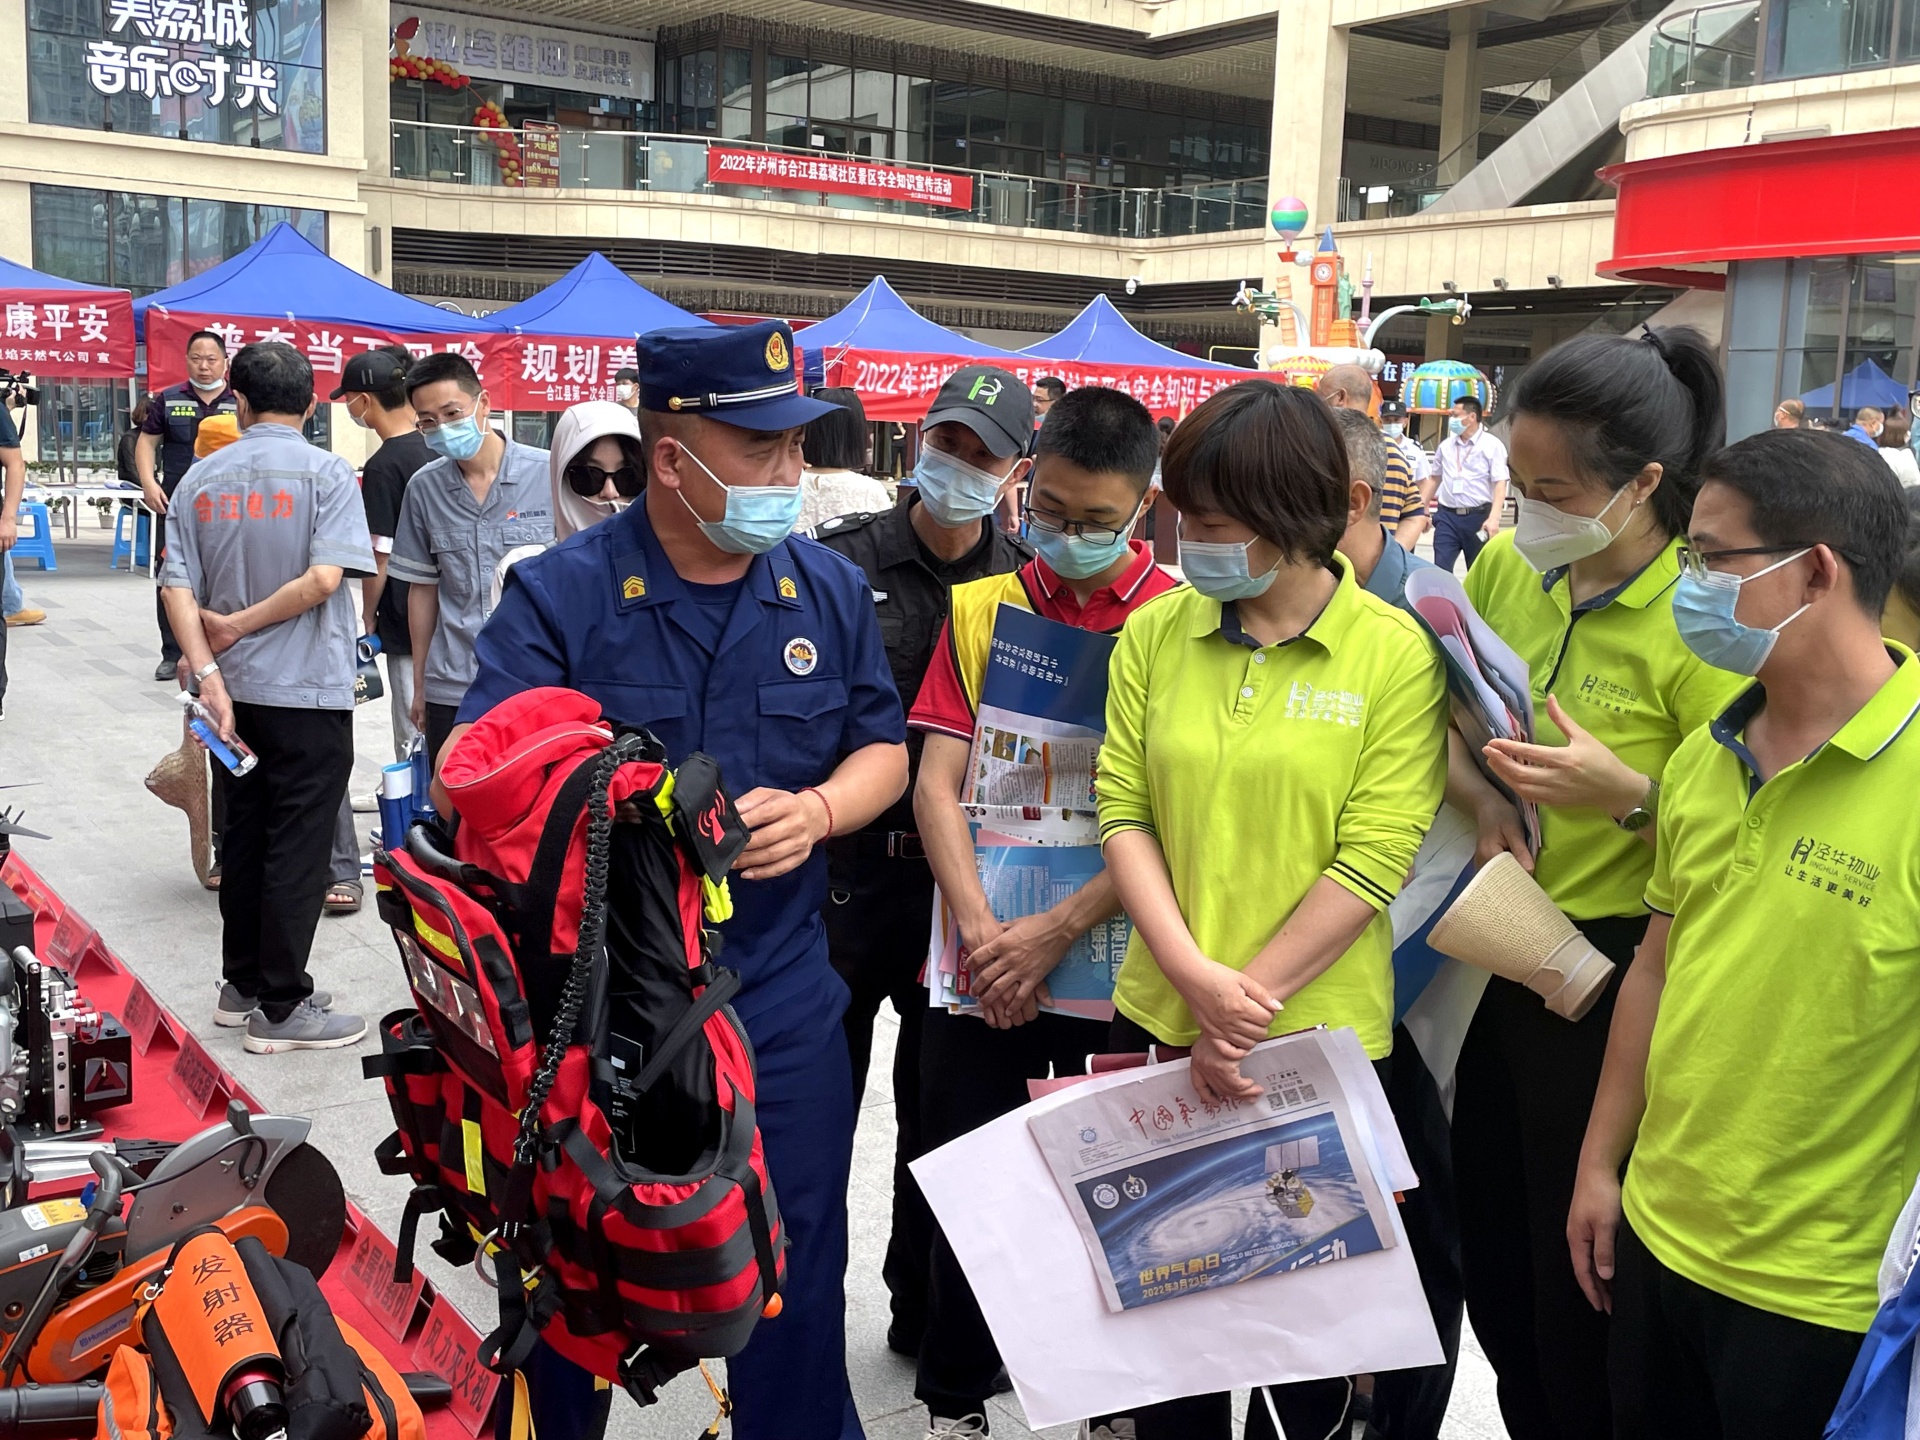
[1608, 435]
[1275, 751]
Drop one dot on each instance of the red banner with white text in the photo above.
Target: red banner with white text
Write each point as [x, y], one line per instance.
[521, 372]
[899, 386]
[67, 334]
[837, 175]
[327, 344]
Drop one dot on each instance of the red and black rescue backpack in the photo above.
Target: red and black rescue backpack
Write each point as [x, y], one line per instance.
[615, 1172]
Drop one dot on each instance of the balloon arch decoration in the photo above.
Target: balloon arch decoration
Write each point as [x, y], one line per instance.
[403, 64]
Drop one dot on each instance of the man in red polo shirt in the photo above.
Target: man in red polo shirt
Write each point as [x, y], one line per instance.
[1095, 455]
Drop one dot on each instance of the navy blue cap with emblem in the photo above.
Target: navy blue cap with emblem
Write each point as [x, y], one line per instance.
[741, 375]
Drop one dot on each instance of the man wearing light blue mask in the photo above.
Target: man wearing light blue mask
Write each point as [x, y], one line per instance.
[696, 614]
[483, 496]
[1765, 1044]
[940, 534]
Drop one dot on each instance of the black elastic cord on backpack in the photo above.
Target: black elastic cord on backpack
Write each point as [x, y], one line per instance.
[518, 1191]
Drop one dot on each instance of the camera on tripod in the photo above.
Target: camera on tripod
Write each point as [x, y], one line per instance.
[18, 389]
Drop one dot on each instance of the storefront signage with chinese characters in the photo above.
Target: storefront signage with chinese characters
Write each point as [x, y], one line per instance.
[169, 48]
[838, 176]
[503, 47]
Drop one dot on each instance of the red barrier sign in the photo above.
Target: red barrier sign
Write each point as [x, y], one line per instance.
[194, 1077]
[449, 1346]
[370, 1277]
[837, 175]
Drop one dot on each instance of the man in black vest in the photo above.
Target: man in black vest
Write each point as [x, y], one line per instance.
[173, 420]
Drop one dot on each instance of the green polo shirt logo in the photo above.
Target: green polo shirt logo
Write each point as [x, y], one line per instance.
[1838, 871]
[1335, 707]
[1605, 694]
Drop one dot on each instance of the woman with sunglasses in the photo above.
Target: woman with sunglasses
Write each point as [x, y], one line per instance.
[1609, 432]
[598, 465]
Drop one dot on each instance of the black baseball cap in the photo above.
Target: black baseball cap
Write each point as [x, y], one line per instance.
[1392, 410]
[367, 374]
[989, 401]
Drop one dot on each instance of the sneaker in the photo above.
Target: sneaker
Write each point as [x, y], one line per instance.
[967, 1427]
[367, 804]
[28, 616]
[166, 670]
[307, 1028]
[233, 1008]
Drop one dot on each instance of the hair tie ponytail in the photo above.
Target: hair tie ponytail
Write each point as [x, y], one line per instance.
[1659, 346]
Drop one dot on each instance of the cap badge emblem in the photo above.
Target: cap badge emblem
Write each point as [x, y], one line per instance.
[633, 588]
[777, 358]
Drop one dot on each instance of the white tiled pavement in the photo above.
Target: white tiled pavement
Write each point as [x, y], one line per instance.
[85, 721]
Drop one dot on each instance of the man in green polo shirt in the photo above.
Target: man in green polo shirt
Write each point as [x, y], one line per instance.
[1764, 1063]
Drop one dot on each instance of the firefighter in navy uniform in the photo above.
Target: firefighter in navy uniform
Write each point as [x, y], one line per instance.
[696, 614]
[172, 424]
[880, 890]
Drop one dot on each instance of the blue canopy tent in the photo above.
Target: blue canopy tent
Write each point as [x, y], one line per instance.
[1865, 384]
[283, 274]
[1100, 334]
[597, 298]
[878, 319]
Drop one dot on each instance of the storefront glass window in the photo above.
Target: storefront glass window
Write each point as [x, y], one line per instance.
[140, 243]
[225, 72]
[736, 93]
[819, 101]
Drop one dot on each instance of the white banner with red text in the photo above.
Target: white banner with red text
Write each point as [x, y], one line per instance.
[895, 385]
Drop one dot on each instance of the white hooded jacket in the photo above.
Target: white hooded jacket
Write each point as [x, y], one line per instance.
[582, 424]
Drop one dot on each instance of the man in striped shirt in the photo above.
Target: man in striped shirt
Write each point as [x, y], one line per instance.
[1348, 387]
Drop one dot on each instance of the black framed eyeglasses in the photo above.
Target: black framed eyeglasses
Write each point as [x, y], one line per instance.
[1695, 562]
[1094, 534]
[588, 480]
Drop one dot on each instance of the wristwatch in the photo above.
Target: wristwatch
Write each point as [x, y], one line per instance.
[1641, 815]
[213, 665]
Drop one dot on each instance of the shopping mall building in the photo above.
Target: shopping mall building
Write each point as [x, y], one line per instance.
[1002, 163]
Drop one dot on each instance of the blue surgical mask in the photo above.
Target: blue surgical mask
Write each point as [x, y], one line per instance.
[1221, 571]
[954, 492]
[456, 439]
[1703, 609]
[1456, 425]
[1074, 557]
[758, 517]
[1392, 430]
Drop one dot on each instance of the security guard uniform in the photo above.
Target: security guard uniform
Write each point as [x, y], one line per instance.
[175, 415]
[778, 683]
[880, 894]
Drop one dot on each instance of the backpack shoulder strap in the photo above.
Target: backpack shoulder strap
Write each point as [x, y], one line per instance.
[541, 892]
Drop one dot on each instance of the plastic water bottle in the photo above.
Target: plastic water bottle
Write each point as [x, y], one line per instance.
[233, 754]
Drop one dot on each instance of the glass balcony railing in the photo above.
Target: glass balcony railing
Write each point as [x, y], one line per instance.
[1712, 48]
[635, 162]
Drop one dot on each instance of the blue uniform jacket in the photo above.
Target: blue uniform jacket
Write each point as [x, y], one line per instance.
[799, 681]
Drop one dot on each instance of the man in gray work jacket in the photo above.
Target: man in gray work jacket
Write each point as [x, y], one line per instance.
[263, 533]
[484, 496]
